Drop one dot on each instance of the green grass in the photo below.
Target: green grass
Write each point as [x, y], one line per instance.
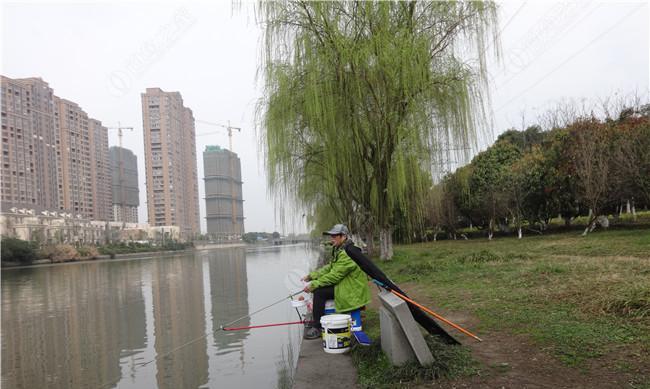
[576, 294]
[375, 370]
[579, 297]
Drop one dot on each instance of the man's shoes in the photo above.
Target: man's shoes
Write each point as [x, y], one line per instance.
[312, 333]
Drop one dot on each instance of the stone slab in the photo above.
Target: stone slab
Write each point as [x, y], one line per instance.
[393, 341]
[317, 369]
[400, 310]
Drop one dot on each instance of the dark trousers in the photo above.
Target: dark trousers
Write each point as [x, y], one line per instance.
[321, 295]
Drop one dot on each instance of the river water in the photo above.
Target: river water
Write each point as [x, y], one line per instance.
[149, 323]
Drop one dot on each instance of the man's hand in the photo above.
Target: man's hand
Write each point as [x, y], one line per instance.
[307, 288]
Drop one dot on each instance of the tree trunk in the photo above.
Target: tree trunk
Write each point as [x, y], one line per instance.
[519, 232]
[490, 229]
[386, 244]
[370, 242]
[591, 225]
[359, 241]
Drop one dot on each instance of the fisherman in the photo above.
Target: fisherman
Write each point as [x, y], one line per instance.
[340, 279]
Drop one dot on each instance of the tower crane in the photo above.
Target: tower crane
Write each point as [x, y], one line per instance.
[232, 167]
[119, 129]
[228, 127]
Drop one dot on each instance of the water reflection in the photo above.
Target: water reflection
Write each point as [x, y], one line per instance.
[179, 317]
[229, 291]
[95, 324]
[66, 327]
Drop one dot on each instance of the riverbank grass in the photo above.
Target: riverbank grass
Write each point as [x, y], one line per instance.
[581, 298]
[375, 370]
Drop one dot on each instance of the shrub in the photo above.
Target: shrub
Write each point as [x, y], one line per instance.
[64, 252]
[46, 252]
[88, 251]
[17, 250]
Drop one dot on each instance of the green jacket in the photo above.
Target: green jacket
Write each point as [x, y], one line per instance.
[351, 289]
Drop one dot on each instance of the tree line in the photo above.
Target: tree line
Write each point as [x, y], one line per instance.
[361, 100]
[590, 167]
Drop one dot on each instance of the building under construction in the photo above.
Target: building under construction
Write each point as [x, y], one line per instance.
[224, 203]
[124, 174]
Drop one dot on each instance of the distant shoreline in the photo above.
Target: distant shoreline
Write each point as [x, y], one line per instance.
[117, 257]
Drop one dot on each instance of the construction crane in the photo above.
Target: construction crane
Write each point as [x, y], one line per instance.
[119, 129]
[228, 127]
[232, 167]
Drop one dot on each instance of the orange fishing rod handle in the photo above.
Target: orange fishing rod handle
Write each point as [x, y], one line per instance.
[456, 326]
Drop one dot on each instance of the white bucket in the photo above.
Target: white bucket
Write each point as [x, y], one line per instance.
[298, 303]
[336, 333]
[330, 307]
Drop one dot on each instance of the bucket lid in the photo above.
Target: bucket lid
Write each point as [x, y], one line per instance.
[297, 303]
[335, 319]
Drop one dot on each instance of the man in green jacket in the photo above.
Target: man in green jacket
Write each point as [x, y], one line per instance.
[341, 279]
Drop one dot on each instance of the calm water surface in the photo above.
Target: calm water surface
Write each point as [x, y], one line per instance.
[94, 324]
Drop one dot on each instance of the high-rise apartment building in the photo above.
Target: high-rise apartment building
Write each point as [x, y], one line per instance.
[126, 196]
[29, 145]
[54, 156]
[100, 169]
[84, 162]
[224, 203]
[170, 161]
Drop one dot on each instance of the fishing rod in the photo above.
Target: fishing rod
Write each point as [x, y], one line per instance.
[264, 325]
[222, 327]
[427, 310]
[261, 309]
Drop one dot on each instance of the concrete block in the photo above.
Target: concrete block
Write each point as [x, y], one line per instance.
[393, 341]
[414, 339]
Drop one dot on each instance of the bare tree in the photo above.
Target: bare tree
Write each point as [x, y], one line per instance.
[592, 163]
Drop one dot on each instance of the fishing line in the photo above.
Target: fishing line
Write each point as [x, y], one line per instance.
[261, 309]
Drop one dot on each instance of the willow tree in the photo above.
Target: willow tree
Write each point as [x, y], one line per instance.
[356, 97]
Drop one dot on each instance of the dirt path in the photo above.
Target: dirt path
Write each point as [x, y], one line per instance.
[513, 361]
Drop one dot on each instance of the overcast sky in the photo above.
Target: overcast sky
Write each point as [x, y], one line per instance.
[103, 55]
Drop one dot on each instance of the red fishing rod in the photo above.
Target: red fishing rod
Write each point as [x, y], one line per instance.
[301, 321]
[265, 325]
[223, 328]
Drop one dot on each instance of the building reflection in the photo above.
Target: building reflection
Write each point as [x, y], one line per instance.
[68, 326]
[229, 292]
[78, 325]
[179, 322]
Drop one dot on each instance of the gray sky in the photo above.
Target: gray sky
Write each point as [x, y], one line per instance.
[103, 55]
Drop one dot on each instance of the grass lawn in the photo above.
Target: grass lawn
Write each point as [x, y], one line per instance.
[578, 298]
